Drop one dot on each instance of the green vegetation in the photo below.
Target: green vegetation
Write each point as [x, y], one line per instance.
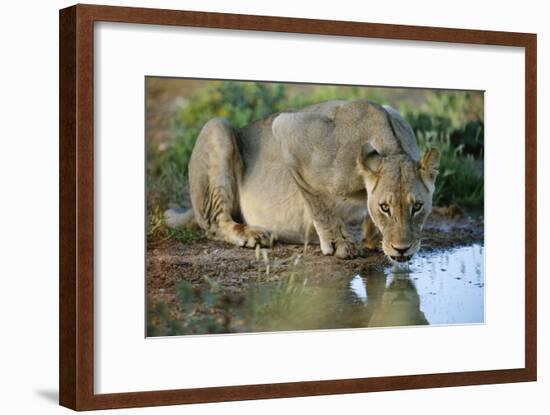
[450, 120]
[453, 122]
[157, 232]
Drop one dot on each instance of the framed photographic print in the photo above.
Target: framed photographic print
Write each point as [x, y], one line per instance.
[257, 207]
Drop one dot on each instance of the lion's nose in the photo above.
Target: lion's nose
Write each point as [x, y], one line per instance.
[401, 250]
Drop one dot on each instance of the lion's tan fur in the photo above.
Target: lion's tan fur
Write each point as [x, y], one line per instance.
[314, 167]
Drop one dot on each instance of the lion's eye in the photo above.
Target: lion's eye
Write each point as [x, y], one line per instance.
[416, 207]
[384, 207]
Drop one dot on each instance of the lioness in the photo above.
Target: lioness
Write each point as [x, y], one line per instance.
[322, 166]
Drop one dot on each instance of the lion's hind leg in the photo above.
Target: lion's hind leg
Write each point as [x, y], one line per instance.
[215, 172]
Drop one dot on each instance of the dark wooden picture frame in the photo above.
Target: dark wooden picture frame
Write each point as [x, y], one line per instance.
[76, 119]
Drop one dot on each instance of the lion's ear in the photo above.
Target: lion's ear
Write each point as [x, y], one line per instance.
[369, 161]
[429, 167]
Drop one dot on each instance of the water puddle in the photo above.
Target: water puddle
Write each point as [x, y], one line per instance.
[444, 287]
[438, 287]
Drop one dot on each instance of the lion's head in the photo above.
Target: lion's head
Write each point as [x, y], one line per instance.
[400, 192]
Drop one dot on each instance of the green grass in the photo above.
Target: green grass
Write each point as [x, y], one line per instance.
[459, 181]
[158, 232]
[450, 120]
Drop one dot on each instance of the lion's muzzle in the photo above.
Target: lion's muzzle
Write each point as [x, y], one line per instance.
[401, 252]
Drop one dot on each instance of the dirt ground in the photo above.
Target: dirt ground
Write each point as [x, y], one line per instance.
[235, 268]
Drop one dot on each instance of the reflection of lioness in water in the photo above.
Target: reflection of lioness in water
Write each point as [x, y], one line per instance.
[399, 305]
[277, 177]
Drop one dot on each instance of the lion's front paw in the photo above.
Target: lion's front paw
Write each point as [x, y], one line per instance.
[346, 249]
[343, 248]
[327, 247]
